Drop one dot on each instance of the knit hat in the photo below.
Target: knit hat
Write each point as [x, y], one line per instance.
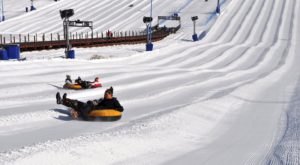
[109, 90]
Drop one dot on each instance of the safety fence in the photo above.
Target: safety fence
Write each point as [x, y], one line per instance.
[42, 42]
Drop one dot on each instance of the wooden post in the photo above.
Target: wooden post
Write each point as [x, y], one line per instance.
[4, 40]
[44, 37]
[51, 37]
[14, 39]
[20, 38]
[10, 38]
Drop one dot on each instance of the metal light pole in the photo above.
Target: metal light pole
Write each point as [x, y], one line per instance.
[195, 37]
[2, 18]
[147, 21]
[218, 10]
[32, 7]
[65, 15]
[150, 29]
[66, 31]
[151, 9]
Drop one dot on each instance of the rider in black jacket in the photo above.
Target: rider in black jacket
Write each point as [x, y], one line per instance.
[83, 109]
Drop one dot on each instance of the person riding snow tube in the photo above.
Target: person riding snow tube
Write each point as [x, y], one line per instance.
[104, 109]
[69, 83]
[81, 84]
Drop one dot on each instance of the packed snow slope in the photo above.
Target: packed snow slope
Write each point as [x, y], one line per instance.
[231, 98]
[114, 15]
[14, 8]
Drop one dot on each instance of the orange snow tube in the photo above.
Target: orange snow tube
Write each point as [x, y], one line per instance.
[72, 86]
[106, 114]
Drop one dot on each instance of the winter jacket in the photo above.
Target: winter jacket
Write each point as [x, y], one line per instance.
[85, 84]
[68, 81]
[96, 84]
[109, 104]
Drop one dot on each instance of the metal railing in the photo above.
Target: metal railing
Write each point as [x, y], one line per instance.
[54, 41]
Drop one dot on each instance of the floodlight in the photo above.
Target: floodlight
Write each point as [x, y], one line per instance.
[147, 19]
[66, 13]
[194, 18]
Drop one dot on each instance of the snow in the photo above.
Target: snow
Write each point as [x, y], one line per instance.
[231, 98]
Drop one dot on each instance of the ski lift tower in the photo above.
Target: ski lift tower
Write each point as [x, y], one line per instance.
[2, 18]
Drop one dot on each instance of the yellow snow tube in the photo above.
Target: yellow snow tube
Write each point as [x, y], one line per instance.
[72, 86]
[106, 114]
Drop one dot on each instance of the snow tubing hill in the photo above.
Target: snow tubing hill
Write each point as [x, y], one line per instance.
[106, 115]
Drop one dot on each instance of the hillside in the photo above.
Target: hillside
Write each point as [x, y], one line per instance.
[231, 98]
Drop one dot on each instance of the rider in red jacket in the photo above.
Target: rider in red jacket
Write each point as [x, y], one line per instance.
[96, 83]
